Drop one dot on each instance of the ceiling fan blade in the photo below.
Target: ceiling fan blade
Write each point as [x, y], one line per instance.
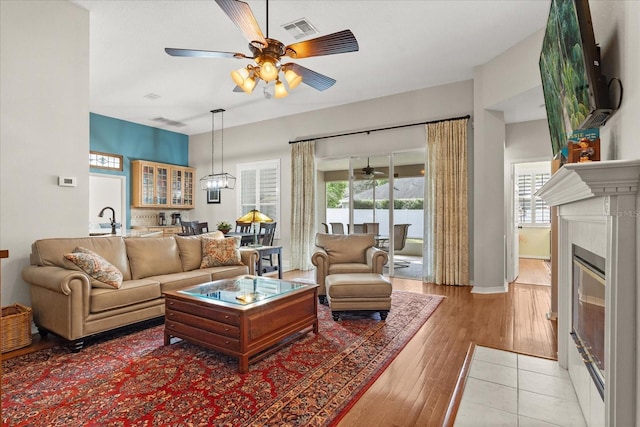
[340, 42]
[192, 53]
[241, 15]
[311, 78]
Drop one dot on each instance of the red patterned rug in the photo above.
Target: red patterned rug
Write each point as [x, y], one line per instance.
[133, 380]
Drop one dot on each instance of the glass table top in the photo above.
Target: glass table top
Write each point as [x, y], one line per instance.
[243, 290]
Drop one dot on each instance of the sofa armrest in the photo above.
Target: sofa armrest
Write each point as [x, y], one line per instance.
[376, 259]
[249, 257]
[55, 279]
[320, 259]
[60, 299]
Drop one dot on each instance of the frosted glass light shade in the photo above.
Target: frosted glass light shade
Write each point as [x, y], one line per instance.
[268, 71]
[280, 91]
[293, 79]
[239, 76]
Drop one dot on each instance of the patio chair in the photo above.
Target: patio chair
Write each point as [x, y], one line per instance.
[337, 228]
[399, 241]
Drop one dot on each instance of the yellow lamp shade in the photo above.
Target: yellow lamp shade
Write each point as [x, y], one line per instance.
[254, 215]
[293, 79]
[280, 91]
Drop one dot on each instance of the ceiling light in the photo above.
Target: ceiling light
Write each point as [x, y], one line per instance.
[223, 179]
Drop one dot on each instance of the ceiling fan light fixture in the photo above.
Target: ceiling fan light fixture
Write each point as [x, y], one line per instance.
[280, 90]
[293, 79]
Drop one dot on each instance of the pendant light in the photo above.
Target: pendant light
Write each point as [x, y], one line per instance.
[217, 180]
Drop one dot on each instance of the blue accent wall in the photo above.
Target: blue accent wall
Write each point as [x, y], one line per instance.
[135, 142]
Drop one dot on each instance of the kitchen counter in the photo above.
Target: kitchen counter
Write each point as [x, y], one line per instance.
[143, 232]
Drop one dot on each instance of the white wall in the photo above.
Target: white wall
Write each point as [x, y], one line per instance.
[270, 140]
[44, 129]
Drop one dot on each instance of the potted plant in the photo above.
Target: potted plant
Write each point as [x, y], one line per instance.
[224, 226]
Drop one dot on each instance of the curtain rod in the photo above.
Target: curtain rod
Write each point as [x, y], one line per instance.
[380, 129]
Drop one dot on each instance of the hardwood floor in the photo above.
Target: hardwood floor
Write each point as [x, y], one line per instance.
[416, 388]
[534, 272]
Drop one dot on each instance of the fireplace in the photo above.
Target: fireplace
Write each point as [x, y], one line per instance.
[588, 312]
[598, 220]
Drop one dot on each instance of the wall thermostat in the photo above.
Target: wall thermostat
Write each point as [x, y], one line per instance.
[67, 181]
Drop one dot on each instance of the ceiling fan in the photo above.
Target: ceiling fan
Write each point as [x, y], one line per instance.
[369, 172]
[267, 53]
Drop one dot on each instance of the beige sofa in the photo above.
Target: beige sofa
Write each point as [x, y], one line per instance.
[69, 303]
[345, 253]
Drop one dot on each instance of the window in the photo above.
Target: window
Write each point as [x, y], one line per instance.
[259, 188]
[105, 161]
[530, 209]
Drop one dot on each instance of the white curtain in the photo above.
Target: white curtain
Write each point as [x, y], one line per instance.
[302, 204]
[446, 243]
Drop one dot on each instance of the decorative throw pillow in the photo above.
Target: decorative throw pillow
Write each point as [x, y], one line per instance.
[96, 267]
[219, 252]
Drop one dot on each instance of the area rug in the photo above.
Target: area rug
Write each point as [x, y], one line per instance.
[134, 380]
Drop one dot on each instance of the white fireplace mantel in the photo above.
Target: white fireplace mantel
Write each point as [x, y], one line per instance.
[598, 210]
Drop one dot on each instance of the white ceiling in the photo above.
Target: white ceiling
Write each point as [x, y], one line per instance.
[404, 45]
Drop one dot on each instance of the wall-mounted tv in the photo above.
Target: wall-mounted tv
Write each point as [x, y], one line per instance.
[575, 93]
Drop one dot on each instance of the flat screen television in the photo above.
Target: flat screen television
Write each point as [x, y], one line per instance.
[575, 93]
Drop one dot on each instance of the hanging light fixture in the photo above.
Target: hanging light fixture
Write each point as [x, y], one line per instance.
[217, 180]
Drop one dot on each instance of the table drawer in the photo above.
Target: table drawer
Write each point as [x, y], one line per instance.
[220, 328]
[198, 335]
[205, 312]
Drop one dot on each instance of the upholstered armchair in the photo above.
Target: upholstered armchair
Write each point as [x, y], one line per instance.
[345, 253]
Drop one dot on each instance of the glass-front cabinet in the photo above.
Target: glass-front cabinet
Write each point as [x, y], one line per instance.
[181, 187]
[161, 185]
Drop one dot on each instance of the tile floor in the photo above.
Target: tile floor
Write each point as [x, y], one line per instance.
[509, 389]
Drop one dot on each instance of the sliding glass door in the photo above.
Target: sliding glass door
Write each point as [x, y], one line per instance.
[381, 195]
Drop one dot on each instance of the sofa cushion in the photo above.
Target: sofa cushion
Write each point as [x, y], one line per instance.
[132, 292]
[171, 282]
[345, 248]
[153, 256]
[103, 273]
[191, 249]
[51, 251]
[349, 267]
[219, 252]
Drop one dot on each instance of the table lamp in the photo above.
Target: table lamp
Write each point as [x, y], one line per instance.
[254, 216]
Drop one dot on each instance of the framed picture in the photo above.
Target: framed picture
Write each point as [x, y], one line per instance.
[213, 195]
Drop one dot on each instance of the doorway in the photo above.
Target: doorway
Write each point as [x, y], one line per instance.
[107, 190]
[530, 219]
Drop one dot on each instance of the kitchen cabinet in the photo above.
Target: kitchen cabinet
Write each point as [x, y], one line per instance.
[166, 230]
[160, 185]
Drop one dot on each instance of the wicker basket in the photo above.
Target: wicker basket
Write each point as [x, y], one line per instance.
[16, 327]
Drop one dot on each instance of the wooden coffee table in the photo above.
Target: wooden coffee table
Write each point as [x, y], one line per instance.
[248, 317]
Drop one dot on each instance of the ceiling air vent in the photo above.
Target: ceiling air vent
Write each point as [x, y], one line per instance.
[169, 122]
[300, 28]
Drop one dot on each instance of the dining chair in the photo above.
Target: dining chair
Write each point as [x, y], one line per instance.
[265, 238]
[326, 227]
[243, 227]
[202, 227]
[189, 228]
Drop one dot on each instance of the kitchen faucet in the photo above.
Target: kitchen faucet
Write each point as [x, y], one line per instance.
[113, 218]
